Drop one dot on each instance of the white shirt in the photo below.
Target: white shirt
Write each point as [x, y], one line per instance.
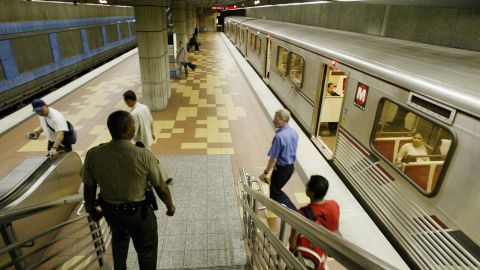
[182, 56]
[143, 124]
[56, 121]
[409, 150]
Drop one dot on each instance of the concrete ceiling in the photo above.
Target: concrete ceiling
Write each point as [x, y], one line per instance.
[210, 3]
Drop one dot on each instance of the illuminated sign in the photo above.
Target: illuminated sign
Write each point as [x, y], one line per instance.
[361, 96]
[103, 1]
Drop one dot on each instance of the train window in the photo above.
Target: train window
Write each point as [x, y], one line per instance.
[282, 60]
[415, 145]
[295, 72]
[258, 44]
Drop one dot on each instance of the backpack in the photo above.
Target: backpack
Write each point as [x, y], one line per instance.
[312, 256]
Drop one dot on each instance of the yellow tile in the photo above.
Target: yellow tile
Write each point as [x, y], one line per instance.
[223, 124]
[89, 112]
[270, 214]
[193, 146]
[192, 112]
[34, 146]
[302, 198]
[101, 138]
[182, 114]
[221, 111]
[178, 130]
[163, 124]
[164, 136]
[220, 151]
[201, 133]
[98, 129]
[201, 122]
[220, 137]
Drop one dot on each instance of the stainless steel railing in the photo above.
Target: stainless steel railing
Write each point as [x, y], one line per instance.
[78, 237]
[267, 251]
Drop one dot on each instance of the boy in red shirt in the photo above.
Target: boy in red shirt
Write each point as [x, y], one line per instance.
[326, 213]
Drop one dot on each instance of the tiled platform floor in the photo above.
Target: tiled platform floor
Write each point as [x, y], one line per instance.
[206, 229]
[213, 112]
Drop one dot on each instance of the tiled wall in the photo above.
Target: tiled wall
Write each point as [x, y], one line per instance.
[29, 50]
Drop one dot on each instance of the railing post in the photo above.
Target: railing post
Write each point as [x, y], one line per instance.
[9, 238]
[281, 236]
[97, 235]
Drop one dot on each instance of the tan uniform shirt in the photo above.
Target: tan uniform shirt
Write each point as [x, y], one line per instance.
[121, 170]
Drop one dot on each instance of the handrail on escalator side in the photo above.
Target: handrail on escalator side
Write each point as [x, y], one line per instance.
[9, 216]
[345, 252]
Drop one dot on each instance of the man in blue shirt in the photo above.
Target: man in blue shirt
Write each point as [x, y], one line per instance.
[282, 155]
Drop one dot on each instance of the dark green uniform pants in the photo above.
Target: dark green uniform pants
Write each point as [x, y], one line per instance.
[140, 226]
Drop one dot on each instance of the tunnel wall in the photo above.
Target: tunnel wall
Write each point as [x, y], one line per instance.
[43, 44]
[450, 27]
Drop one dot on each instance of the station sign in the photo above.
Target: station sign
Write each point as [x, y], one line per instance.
[361, 96]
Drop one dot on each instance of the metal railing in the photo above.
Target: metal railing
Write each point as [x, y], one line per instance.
[91, 239]
[267, 251]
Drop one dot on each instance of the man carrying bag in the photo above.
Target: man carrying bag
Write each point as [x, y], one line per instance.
[60, 133]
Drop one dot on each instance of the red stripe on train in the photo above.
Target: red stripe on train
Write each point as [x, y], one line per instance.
[354, 142]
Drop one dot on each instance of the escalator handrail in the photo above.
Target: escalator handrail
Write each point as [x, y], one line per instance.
[24, 184]
[9, 216]
[345, 252]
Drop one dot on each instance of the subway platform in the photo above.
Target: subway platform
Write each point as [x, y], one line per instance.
[218, 120]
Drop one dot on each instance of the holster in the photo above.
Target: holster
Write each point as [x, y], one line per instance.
[150, 197]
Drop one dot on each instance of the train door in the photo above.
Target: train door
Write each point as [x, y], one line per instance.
[332, 93]
[268, 54]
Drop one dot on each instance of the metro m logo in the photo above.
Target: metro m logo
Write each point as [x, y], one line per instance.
[361, 96]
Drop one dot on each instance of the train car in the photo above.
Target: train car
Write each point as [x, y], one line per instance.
[399, 120]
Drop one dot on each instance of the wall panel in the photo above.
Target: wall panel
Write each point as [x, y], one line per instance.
[94, 36]
[32, 52]
[70, 43]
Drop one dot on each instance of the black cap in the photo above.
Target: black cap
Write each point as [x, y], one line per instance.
[38, 104]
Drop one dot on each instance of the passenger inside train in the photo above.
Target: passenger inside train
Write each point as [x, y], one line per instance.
[415, 145]
[333, 99]
[414, 151]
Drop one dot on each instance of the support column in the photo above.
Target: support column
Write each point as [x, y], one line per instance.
[151, 24]
[179, 21]
[189, 17]
[195, 18]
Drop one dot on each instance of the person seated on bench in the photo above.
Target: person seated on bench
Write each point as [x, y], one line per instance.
[414, 151]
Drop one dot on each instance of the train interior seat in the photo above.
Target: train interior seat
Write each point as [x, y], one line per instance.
[425, 173]
[389, 146]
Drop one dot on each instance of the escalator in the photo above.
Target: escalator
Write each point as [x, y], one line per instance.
[38, 201]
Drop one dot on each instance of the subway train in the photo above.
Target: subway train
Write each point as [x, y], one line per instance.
[398, 120]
